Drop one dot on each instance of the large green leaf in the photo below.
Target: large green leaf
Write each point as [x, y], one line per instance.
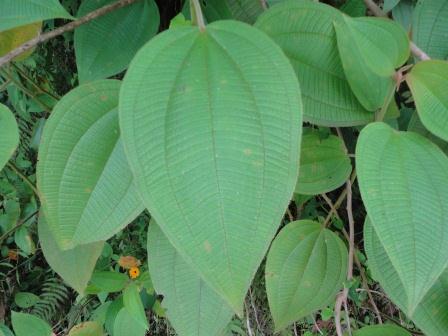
[305, 32]
[133, 303]
[193, 308]
[76, 265]
[211, 122]
[27, 324]
[324, 164]
[106, 46]
[87, 189]
[14, 13]
[428, 82]
[430, 27]
[431, 314]
[9, 136]
[125, 325]
[370, 50]
[403, 179]
[305, 268]
[381, 330]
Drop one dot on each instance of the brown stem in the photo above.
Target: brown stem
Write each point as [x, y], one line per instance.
[377, 11]
[61, 30]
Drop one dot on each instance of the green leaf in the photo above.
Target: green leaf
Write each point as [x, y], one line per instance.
[390, 4]
[106, 46]
[27, 324]
[193, 308]
[211, 123]
[369, 87]
[75, 266]
[9, 136]
[12, 38]
[88, 328]
[430, 315]
[126, 325]
[86, 185]
[305, 269]
[5, 331]
[109, 282]
[23, 240]
[381, 330]
[112, 313]
[401, 173]
[25, 300]
[402, 13]
[430, 27]
[354, 8]
[245, 10]
[133, 303]
[428, 82]
[305, 32]
[324, 164]
[415, 125]
[14, 13]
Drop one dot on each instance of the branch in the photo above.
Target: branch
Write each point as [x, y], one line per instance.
[61, 30]
[377, 11]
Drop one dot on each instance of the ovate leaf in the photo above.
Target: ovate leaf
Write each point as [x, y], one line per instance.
[305, 269]
[133, 303]
[324, 164]
[88, 328]
[106, 46]
[12, 38]
[9, 136]
[25, 300]
[110, 282]
[23, 240]
[27, 324]
[192, 306]
[86, 186]
[430, 27]
[381, 330]
[76, 265]
[354, 8]
[428, 82]
[431, 313]
[403, 177]
[14, 13]
[305, 32]
[211, 123]
[125, 325]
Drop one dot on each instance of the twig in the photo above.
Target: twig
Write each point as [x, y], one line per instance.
[252, 303]
[351, 225]
[23, 177]
[249, 329]
[377, 11]
[63, 29]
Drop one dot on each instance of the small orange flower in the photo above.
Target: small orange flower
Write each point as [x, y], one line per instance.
[127, 262]
[134, 272]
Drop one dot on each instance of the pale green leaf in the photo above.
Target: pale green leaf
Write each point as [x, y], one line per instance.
[125, 325]
[88, 328]
[431, 314]
[381, 330]
[14, 13]
[133, 303]
[305, 32]
[108, 281]
[106, 46]
[23, 240]
[25, 300]
[27, 324]
[430, 27]
[305, 269]
[403, 177]
[193, 308]
[75, 266]
[369, 87]
[390, 4]
[86, 186]
[111, 316]
[382, 44]
[324, 164]
[428, 82]
[9, 136]
[211, 123]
